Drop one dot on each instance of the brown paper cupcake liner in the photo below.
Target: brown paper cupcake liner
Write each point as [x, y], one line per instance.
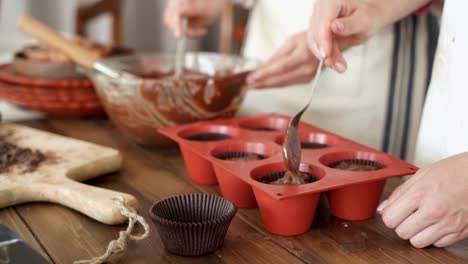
[368, 165]
[240, 156]
[192, 224]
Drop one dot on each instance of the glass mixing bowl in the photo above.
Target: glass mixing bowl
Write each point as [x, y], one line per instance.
[212, 86]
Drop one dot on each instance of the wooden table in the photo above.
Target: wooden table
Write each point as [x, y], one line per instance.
[63, 235]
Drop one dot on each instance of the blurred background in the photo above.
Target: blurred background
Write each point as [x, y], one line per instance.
[138, 24]
[135, 24]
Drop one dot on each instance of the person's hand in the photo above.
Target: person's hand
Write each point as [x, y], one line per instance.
[336, 25]
[200, 14]
[431, 208]
[293, 63]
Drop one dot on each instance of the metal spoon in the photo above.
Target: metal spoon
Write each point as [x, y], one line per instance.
[180, 49]
[292, 144]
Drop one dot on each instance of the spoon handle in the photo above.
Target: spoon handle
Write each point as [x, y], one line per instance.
[314, 85]
[292, 145]
[180, 49]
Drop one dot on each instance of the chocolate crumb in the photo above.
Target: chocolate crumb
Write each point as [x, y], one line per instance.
[22, 159]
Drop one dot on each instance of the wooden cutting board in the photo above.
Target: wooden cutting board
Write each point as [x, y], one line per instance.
[57, 179]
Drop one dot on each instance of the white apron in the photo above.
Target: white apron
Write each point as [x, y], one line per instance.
[444, 127]
[354, 104]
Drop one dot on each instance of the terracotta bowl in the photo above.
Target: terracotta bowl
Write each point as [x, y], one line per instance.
[43, 69]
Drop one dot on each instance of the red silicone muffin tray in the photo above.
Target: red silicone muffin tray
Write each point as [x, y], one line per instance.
[286, 210]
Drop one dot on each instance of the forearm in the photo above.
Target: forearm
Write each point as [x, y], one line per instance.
[394, 10]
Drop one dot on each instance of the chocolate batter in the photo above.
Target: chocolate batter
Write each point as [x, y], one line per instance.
[194, 96]
[165, 101]
[241, 156]
[187, 75]
[25, 159]
[288, 178]
[352, 165]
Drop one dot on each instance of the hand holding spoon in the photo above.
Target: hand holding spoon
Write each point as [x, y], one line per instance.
[292, 145]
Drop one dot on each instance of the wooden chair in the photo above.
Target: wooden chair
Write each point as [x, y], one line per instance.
[232, 28]
[232, 23]
[87, 13]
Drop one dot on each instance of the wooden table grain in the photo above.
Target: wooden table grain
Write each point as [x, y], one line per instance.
[63, 235]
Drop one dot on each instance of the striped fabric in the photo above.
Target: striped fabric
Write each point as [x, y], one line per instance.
[412, 60]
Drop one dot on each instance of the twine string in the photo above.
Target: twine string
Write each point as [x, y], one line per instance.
[120, 244]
